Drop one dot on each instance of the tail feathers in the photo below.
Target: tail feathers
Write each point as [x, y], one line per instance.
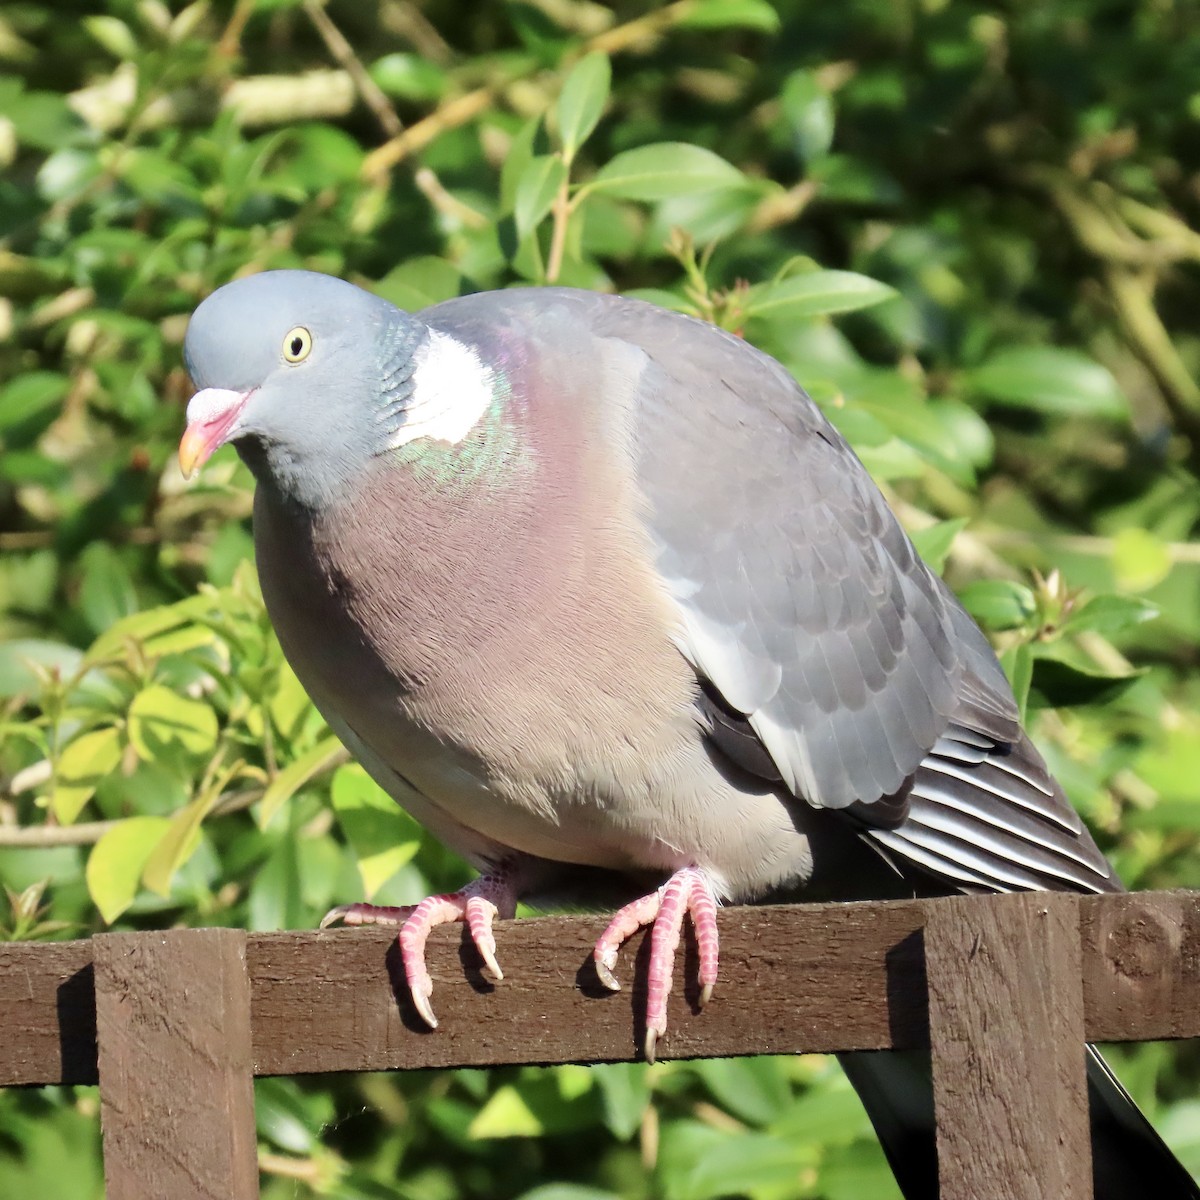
[1129, 1160]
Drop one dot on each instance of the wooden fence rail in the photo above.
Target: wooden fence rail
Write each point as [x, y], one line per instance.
[1003, 989]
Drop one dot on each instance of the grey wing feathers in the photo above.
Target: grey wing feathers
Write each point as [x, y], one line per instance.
[800, 597]
[991, 818]
[819, 634]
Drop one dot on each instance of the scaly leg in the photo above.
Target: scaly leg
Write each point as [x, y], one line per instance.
[477, 904]
[687, 891]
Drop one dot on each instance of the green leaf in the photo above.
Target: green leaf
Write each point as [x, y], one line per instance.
[808, 110]
[1140, 559]
[999, 603]
[1112, 614]
[625, 1090]
[1049, 380]
[276, 898]
[162, 723]
[114, 867]
[817, 293]
[567, 1191]
[83, 764]
[283, 1117]
[1064, 677]
[23, 659]
[107, 593]
[581, 101]
[32, 398]
[419, 282]
[178, 843]
[382, 835]
[933, 543]
[538, 1104]
[753, 1089]
[664, 169]
[289, 704]
[731, 14]
[114, 35]
[825, 1116]
[527, 141]
[141, 627]
[539, 184]
[321, 757]
[745, 1164]
[1017, 662]
[506, 1114]
[409, 77]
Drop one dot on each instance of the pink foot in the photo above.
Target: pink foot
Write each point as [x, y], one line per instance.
[687, 891]
[477, 904]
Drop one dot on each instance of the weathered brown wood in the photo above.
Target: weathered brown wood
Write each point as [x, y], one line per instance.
[47, 1012]
[1141, 965]
[1007, 1034]
[793, 979]
[176, 1076]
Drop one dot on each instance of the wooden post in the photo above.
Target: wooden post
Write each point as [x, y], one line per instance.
[1007, 1034]
[175, 1065]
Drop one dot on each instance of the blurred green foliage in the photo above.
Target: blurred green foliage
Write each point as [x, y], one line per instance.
[994, 201]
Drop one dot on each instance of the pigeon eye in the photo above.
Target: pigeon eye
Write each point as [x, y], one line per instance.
[296, 344]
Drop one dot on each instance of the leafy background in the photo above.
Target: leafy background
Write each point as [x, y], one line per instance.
[964, 226]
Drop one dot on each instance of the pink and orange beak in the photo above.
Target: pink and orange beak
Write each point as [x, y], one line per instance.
[211, 417]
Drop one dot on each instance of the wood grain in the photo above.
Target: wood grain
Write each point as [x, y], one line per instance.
[48, 1010]
[1006, 1026]
[176, 1082]
[1141, 960]
[793, 979]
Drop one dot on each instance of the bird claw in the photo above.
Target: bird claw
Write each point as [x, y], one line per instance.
[687, 891]
[651, 1042]
[476, 905]
[604, 971]
[366, 914]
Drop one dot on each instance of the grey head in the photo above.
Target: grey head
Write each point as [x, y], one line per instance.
[308, 376]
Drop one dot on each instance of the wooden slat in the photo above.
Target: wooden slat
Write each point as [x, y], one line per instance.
[1141, 965]
[1007, 1034]
[176, 1077]
[793, 979]
[48, 1007]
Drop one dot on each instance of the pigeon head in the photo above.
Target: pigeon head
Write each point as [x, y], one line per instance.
[312, 378]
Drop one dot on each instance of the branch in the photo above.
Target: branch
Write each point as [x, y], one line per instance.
[453, 113]
[32, 837]
[256, 100]
[343, 54]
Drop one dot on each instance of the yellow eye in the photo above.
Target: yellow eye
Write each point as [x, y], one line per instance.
[297, 343]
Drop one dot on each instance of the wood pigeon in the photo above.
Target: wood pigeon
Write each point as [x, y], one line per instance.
[594, 589]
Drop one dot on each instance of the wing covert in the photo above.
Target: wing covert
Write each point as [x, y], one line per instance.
[800, 598]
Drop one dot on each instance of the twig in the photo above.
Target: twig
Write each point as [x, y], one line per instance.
[409, 22]
[30, 837]
[430, 186]
[783, 208]
[1180, 553]
[254, 101]
[1133, 293]
[231, 37]
[453, 113]
[416, 137]
[343, 54]
[302, 1170]
[561, 212]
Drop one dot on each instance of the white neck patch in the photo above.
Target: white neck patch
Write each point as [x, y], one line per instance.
[451, 391]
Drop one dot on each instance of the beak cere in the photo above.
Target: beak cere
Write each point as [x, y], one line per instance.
[211, 417]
